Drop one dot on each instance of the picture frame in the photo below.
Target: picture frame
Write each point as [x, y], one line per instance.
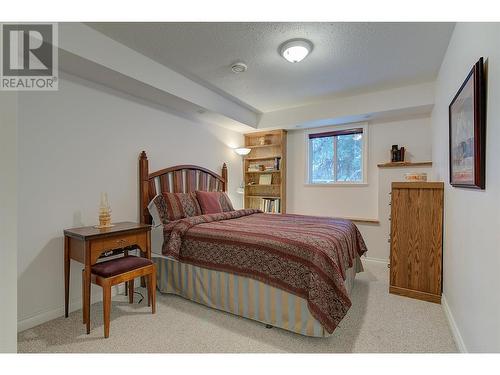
[467, 131]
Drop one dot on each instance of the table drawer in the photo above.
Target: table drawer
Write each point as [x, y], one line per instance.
[111, 243]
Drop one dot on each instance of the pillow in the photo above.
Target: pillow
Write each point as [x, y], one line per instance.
[154, 211]
[209, 202]
[174, 206]
[225, 202]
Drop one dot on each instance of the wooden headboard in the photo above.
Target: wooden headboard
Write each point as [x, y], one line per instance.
[177, 179]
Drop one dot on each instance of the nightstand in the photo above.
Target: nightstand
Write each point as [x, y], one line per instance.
[87, 244]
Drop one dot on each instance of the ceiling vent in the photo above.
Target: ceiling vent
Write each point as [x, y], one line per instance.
[239, 67]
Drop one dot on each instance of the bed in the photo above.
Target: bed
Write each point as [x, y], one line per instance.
[294, 272]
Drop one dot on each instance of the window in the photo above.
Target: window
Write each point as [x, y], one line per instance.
[337, 156]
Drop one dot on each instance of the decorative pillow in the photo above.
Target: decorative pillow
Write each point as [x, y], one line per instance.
[154, 211]
[176, 206]
[225, 202]
[209, 202]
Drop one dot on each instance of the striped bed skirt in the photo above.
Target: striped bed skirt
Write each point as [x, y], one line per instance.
[242, 296]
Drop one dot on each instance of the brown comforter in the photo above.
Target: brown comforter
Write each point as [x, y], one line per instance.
[303, 255]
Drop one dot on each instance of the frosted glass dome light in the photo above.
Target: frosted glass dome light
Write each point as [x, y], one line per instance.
[295, 50]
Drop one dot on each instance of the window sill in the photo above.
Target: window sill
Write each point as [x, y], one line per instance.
[337, 184]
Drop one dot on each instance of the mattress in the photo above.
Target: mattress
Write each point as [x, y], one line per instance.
[241, 295]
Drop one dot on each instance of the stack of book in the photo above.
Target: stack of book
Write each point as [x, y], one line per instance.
[255, 168]
[270, 205]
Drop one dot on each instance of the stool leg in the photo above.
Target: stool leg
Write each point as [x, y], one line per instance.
[106, 290]
[152, 286]
[83, 297]
[148, 288]
[125, 253]
[131, 291]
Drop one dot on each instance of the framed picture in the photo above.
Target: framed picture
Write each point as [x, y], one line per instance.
[467, 120]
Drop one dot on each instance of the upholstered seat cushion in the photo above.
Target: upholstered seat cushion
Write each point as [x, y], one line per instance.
[119, 265]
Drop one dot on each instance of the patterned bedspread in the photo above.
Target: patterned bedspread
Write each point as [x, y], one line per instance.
[304, 255]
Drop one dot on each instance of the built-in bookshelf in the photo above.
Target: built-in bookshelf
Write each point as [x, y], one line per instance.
[265, 171]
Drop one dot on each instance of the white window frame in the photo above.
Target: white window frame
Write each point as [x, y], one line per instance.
[364, 159]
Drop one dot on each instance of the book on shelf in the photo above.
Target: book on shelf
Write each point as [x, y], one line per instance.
[277, 163]
[265, 179]
[270, 205]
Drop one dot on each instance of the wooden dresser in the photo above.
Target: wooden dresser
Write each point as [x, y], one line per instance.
[417, 240]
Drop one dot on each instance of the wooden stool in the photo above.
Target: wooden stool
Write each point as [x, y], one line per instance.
[119, 270]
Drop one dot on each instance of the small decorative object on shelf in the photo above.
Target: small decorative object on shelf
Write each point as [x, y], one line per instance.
[256, 167]
[397, 154]
[104, 212]
[416, 177]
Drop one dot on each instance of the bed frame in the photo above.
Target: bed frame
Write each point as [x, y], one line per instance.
[294, 315]
[177, 179]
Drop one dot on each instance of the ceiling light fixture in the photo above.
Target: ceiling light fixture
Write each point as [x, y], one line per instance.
[296, 50]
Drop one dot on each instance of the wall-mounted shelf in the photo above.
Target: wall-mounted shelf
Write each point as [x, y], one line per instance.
[405, 164]
[361, 220]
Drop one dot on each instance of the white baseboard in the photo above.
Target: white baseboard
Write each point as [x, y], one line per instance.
[378, 260]
[453, 326]
[74, 305]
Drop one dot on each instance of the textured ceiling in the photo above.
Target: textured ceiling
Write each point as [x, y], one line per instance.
[347, 57]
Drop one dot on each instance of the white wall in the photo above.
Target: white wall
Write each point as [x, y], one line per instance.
[472, 218]
[370, 201]
[75, 143]
[8, 221]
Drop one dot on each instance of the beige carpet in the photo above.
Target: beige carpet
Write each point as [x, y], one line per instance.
[377, 322]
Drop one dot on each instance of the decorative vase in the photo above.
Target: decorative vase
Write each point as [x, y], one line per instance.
[104, 212]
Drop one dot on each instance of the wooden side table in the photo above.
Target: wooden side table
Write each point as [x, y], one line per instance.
[87, 244]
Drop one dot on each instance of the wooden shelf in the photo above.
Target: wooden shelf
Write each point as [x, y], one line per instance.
[362, 220]
[263, 171]
[264, 196]
[263, 185]
[405, 164]
[263, 158]
[265, 148]
[262, 146]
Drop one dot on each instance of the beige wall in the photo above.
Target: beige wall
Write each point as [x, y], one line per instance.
[77, 142]
[370, 201]
[472, 217]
